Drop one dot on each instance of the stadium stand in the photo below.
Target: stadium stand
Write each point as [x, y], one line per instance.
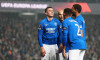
[18, 37]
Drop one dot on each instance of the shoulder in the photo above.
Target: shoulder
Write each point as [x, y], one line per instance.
[56, 20]
[71, 20]
[65, 21]
[80, 18]
[41, 22]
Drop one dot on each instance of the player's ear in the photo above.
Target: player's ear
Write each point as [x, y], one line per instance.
[76, 10]
[45, 13]
[64, 14]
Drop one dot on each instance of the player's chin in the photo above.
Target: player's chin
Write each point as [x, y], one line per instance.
[51, 16]
[73, 15]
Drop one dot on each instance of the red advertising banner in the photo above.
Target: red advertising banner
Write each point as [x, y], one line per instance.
[85, 7]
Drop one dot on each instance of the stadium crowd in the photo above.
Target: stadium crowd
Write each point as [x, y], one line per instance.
[92, 37]
[18, 38]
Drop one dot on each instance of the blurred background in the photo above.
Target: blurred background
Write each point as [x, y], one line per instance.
[19, 21]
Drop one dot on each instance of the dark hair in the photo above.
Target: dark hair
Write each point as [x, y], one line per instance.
[77, 7]
[47, 8]
[68, 11]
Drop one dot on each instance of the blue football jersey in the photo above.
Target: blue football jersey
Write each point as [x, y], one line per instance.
[48, 31]
[81, 22]
[58, 41]
[71, 33]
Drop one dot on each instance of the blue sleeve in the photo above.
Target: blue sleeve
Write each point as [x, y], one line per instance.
[40, 33]
[64, 33]
[60, 31]
[80, 22]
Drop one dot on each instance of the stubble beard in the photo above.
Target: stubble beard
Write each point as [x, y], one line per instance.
[74, 15]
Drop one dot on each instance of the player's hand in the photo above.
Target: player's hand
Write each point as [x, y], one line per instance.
[43, 52]
[60, 48]
[64, 54]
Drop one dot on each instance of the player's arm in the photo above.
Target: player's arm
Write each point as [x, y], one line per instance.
[81, 27]
[60, 38]
[64, 55]
[81, 33]
[40, 33]
[60, 32]
[64, 38]
[64, 33]
[60, 48]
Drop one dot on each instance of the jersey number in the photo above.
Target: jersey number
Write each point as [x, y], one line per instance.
[78, 32]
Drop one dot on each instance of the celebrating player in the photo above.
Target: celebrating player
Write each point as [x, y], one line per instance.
[78, 17]
[71, 32]
[48, 31]
[61, 18]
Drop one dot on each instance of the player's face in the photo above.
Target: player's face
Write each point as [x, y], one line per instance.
[50, 12]
[64, 15]
[74, 11]
[60, 16]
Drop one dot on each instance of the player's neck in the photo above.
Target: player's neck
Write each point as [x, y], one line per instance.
[67, 17]
[61, 21]
[49, 18]
[77, 14]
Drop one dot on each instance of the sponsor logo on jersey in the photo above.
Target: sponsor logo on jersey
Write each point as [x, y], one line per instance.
[60, 26]
[45, 24]
[50, 30]
[55, 24]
